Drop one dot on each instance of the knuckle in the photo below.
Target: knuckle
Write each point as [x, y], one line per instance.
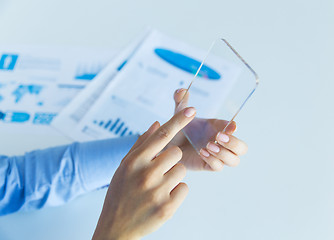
[184, 187]
[245, 149]
[225, 155]
[165, 212]
[239, 147]
[146, 181]
[181, 169]
[176, 151]
[217, 166]
[154, 197]
[129, 166]
[164, 133]
[141, 138]
[229, 158]
[235, 161]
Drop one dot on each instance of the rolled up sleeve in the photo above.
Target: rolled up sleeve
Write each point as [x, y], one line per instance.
[54, 176]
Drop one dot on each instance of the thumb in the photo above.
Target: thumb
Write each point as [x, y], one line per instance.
[181, 98]
[230, 128]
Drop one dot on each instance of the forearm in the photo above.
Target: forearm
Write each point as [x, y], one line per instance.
[54, 176]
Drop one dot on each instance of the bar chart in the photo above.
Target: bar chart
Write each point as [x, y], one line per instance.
[116, 126]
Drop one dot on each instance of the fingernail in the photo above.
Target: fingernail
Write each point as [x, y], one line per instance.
[223, 137]
[179, 90]
[213, 147]
[204, 153]
[189, 112]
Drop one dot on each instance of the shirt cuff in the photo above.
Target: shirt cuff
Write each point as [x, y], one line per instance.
[97, 161]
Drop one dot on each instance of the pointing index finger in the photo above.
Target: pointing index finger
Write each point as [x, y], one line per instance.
[161, 137]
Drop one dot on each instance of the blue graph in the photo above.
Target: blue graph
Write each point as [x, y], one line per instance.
[13, 116]
[44, 118]
[22, 90]
[117, 126]
[187, 64]
[8, 61]
[88, 71]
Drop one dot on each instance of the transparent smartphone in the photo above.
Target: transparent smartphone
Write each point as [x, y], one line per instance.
[220, 88]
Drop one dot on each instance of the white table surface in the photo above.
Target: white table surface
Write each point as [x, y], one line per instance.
[284, 187]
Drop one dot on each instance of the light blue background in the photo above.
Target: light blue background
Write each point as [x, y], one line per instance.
[284, 187]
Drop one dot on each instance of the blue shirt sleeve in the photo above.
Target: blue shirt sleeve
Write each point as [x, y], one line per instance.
[56, 175]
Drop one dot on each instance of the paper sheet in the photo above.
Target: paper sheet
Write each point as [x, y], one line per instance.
[143, 91]
[37, 82]
[73, 113]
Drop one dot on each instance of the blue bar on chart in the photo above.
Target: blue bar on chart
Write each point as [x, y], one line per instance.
[124, 131]
[114, 125]
[117, 126]
[107, 124]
